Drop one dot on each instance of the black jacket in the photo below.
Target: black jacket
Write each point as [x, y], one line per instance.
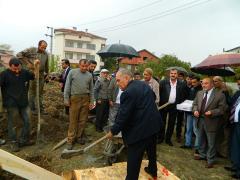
[15, 88]
[138, 117]
[63, 78]
[193, 92]
[165, 88]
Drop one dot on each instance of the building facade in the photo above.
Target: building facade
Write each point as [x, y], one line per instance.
[233, 50]
[75, 45]
[132, 64]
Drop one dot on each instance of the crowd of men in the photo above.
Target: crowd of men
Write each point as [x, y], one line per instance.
[142, 107]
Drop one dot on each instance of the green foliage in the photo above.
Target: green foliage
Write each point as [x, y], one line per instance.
[160, 65]
[110, 63]
[5, 46]
[53, 63]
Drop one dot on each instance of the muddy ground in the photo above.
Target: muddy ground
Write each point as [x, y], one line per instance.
[54, 129]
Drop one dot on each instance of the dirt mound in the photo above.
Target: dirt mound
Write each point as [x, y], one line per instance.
[40, 160]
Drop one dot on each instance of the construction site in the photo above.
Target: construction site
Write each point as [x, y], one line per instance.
[173, 163]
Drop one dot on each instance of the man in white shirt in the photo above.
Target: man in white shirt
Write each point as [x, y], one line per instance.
[174, 92]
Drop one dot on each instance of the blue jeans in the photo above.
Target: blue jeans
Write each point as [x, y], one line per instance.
[192, 127]
[12, 114]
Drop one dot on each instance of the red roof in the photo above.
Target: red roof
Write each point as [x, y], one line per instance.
[144, 55]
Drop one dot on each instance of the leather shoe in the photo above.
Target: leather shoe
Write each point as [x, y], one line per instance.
[199, 158]
[81, 141]
[99, 130]
[209, 166]
[185, 147]
[229, 169]
[69, 146]
[179, 139]
[169, 143]
[14, 146]
[235, 176]
[154, 175]
[28, 143]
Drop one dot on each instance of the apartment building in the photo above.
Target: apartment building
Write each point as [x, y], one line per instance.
[75, 45]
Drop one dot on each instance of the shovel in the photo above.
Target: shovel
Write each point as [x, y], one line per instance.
[69, 153]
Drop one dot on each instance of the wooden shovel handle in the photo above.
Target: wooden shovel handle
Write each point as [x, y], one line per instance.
[94, 143]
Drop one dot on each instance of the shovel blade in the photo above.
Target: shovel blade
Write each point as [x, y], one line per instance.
[66, 154]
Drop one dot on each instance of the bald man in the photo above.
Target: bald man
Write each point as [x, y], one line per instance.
[208, 108]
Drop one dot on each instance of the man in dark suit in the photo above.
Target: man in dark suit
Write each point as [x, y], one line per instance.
[66, 69]
[208, 107]
[139, 121]
[174, 92]
[234, 123]
[63, 78]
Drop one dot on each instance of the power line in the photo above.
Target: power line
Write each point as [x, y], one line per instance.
[121, 14]
[152, 17]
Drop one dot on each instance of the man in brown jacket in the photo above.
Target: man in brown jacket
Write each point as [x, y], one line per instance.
[208, 107]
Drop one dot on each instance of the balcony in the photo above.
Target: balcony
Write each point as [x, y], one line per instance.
[79, 50]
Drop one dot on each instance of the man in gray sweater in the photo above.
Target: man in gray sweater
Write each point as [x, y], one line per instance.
[102, 102]
[78, 95]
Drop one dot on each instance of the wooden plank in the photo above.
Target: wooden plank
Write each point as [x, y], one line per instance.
[25, 169]
[118, 172]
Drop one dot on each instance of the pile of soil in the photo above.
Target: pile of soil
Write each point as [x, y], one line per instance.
[54, 128]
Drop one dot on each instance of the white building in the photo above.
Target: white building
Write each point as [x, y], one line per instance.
[75, 45]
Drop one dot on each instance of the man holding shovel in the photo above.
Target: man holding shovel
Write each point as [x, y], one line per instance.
[14, 83]
[28, 56]
[139, 121]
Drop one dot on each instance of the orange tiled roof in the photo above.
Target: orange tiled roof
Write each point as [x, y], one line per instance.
[144, 54]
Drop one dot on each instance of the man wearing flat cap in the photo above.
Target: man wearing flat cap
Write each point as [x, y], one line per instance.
[14, 83]
[102, 101]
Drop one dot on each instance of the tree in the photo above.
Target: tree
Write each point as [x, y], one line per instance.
[160, 65]
[5, 47]
[110, 64]
[53, 63]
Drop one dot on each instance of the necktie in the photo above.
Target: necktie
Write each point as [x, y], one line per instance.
[204, 101]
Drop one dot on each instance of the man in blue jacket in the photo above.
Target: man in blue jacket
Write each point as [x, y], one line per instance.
[139, 121]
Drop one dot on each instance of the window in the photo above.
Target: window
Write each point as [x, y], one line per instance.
[90, 57]
[79, 56]
[91, 46]
[79, 45]
[68, 55]
[129, 67]
[102, 46]
[69, 43]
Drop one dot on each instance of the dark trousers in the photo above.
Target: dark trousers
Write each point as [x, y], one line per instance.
[170, 125]
[102, 110]
[207, 148]
[180, 118]
[13, 113]
[135, 154]
[235, 147]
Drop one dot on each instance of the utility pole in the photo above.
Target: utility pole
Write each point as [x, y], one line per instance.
[51, 36]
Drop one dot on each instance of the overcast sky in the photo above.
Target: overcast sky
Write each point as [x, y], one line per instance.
[189, 29]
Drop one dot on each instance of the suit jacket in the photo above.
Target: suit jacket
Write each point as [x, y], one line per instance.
[165, 88]
[63, 78]
[113, 90]
[216, 104]
[138, 116]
